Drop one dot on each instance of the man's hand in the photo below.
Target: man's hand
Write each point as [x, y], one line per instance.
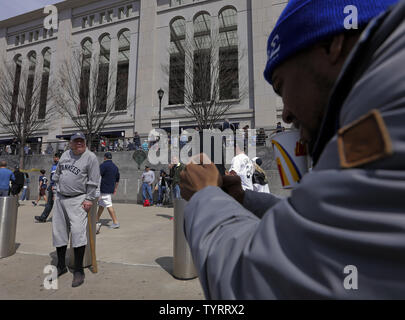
[232, 185]
[86, 205]
[196, 177]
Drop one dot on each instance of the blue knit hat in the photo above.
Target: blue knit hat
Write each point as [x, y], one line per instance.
[305, 22]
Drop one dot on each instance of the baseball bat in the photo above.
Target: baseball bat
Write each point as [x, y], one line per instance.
[92, 246]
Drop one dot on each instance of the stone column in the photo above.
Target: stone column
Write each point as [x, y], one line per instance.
[112, 85]
[264, 17]
[3, 43]
[145, 85]
[61, 50]
[132, 77]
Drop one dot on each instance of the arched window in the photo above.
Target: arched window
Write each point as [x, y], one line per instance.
[202, 58]
[85, 75]
[32, 61]
[177, 61]
[46, 55]
[122, 70]
[103, 70]
[228, 54]
[16, 89]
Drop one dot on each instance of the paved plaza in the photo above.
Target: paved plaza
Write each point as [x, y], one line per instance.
[134, 262]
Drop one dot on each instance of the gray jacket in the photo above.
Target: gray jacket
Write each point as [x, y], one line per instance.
[77, 175]
[335, 218]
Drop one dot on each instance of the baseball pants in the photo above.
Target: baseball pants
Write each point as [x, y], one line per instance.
[69, 216]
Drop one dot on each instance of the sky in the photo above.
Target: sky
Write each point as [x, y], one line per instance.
[12, 8]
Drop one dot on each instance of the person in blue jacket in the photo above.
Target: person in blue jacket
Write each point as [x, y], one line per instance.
[6, 176]
[110, 178]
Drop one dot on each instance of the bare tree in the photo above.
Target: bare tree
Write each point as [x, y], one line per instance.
[204, 76]
[85, 94]
[25, 101]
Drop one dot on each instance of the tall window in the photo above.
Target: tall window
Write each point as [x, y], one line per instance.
[103, 70]
[46, 54]
[177, 61]
[85, 75]
[32, 60]
[122, 70]
[202, 58]
[228, 55]
[16, 90]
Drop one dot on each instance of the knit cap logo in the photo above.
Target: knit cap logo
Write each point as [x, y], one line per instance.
[274, 48]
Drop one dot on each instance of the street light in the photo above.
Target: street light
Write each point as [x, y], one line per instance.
[160, 94]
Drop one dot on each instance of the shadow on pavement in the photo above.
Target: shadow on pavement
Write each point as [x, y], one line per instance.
[166, 263]
[164, 216]
[54, 258]
[104, 222]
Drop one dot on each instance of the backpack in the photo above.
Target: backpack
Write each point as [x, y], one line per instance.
[259, 176]
[146, 203]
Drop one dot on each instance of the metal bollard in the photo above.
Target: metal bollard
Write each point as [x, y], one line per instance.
[87, 252]
[8, 225]
[183, 265]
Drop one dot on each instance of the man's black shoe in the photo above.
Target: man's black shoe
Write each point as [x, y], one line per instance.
[62, 271]
[78, 279]
[39, 219]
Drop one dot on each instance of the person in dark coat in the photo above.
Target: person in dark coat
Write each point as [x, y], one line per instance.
[18, 183]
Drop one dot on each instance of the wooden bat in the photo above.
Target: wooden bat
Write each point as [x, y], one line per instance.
[92, 245]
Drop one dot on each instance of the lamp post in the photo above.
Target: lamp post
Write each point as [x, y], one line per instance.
[160, 94]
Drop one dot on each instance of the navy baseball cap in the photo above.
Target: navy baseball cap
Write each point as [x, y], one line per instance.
[108, 155]
[78, 135]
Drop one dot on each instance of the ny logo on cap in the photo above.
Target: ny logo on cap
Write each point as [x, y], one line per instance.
[274, 47]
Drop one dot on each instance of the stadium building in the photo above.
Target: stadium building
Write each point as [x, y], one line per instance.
[139, 38]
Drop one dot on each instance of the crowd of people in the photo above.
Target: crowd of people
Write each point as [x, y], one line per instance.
[104, 144]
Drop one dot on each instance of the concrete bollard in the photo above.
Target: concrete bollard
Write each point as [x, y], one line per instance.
[87, 253]
[183, 265]
[8, 225]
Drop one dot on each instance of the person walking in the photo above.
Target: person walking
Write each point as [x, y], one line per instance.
[279, 128]
[162, 187]
[261, 137]
[24, 195]
[110, 177]
[243, 167]
[137, 141]
[43, 184]
[259, 179]
[183, 138]
[51, 192]
[18, 184]
[340, 234]
[176, 168]
[76, 179]
[145, 146]
[6, 176]
[148, 177]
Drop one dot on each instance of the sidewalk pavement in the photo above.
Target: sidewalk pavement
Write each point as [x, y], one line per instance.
[134, 261]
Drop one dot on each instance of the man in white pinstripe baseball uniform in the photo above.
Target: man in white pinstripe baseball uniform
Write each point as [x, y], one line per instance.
[76, 178]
